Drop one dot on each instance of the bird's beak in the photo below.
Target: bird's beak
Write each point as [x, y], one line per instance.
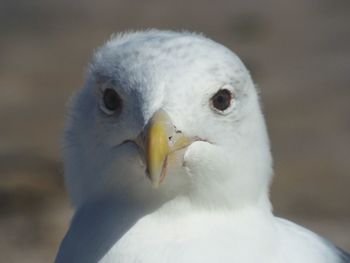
[161, 139]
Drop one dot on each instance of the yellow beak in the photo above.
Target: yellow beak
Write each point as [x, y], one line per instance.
[161, 139]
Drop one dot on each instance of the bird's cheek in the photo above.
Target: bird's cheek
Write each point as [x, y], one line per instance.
[205, 159]
[192, 156]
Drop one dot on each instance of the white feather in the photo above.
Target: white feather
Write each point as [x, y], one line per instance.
[213, 205]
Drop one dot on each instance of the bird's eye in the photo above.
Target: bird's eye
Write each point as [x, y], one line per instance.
[111, 101]
[222, 99]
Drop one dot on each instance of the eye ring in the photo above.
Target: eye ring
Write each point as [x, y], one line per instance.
[221, 100]
[111, 101]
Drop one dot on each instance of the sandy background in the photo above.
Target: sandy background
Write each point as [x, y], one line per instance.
[298, 52]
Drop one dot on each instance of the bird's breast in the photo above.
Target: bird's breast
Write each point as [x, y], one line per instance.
[192, 238]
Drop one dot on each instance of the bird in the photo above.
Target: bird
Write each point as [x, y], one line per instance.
[167, 159]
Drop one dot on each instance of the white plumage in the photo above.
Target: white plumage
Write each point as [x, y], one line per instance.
[214, 173]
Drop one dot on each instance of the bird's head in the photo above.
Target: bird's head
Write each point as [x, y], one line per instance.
[166, 114]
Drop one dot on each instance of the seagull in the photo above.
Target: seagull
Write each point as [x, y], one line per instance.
[167, 159]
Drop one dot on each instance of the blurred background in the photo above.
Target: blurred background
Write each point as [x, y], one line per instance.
[299, 55]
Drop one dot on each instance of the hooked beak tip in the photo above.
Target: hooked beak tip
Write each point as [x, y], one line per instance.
[160, 140]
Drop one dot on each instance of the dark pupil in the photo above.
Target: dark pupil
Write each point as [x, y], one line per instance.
[222, 100]
[111, 99]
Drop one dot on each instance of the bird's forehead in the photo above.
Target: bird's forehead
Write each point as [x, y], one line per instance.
[168, 70]
[161, 60]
